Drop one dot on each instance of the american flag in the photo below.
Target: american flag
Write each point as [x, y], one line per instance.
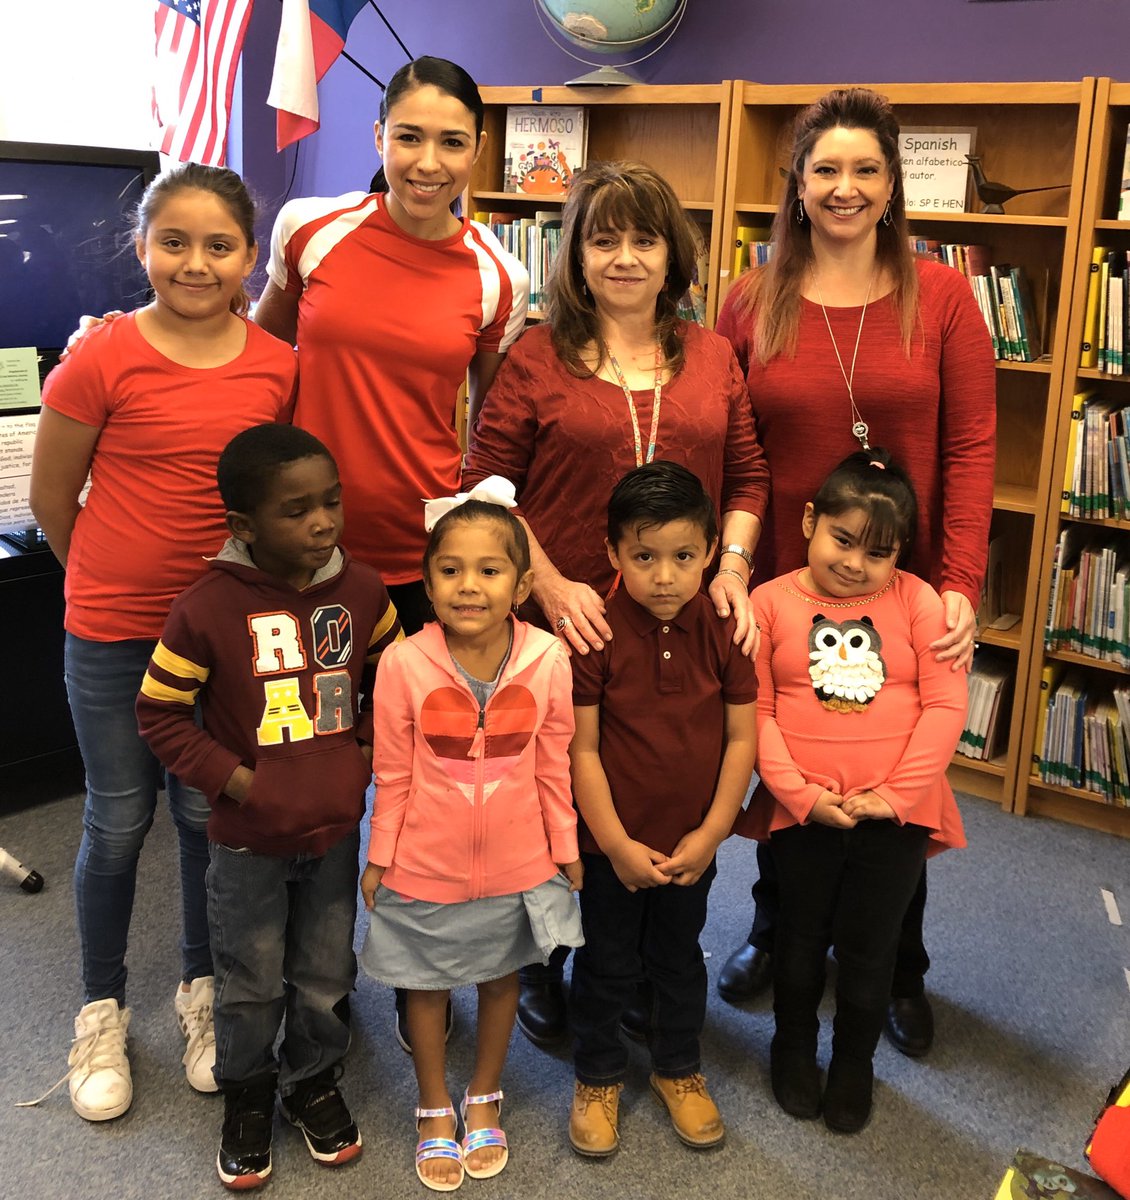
[198, 48]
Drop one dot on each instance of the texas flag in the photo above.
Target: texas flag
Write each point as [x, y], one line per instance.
[311, 36]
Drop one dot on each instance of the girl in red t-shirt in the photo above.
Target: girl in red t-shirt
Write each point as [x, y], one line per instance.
[144, 405]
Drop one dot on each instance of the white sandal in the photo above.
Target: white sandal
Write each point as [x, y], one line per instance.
[481, 1139]
[440, 1147]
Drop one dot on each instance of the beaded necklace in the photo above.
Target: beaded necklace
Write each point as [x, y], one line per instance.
[640, 458]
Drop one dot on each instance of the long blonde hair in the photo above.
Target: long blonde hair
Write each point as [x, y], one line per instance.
[771, 295]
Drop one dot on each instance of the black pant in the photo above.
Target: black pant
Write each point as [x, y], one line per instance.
[849, 890]
[911, 960]
[651, 934]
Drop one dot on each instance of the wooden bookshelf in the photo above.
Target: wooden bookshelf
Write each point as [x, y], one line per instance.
[722, 147]
[1029, 135]
[1098, 225]
[680, 130]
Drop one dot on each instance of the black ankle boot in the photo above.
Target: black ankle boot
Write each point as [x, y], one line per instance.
[542, 1015]
[795, 1078]
[847, 1098]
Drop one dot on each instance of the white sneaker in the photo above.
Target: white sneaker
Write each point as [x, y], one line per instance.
[100, 1082]
[194, 1015]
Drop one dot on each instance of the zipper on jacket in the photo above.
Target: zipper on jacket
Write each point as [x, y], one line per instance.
[478, 753]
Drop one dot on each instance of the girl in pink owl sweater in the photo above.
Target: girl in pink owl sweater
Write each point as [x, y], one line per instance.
[473, 847]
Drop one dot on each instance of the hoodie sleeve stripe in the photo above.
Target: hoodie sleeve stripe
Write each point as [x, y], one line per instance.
[386, 631]
[164, 658]
[156, 690]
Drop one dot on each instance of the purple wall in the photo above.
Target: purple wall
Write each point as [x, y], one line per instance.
[770, 41]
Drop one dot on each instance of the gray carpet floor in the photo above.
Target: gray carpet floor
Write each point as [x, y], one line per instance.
[1029, 984]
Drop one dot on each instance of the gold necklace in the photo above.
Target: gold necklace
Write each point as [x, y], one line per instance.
[823, 602]
[858, 424]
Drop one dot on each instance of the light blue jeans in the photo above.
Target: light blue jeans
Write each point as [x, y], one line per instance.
[122, 780]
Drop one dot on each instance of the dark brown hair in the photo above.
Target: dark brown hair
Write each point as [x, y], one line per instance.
[225, 185]
[771, 295]
[617, 196]
[881, 490]
[513, 532]
[656, 494]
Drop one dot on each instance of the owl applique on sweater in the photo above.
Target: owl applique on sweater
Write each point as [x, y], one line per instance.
[845, 665]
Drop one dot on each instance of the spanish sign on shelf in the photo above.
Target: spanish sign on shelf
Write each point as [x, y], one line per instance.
[934, 169]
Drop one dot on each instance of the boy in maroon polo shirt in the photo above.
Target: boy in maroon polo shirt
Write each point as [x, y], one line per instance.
[662, 758]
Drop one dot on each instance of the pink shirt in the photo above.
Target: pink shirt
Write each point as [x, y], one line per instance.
[897, 740]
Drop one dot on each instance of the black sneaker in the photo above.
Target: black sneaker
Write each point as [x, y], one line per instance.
[403, 1040]
[317, 1107]
[244, 1158]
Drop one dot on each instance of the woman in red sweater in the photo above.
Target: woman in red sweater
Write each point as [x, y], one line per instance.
[615, 379]
[847, 336]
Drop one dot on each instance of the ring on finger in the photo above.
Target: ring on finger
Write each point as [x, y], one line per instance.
[563, 623]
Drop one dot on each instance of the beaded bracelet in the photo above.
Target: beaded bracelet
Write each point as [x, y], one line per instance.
[736, 574]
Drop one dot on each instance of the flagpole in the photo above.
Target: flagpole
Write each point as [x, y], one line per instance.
[349, 58]
[373, 5]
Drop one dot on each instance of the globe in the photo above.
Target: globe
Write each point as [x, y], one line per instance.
[610, 27]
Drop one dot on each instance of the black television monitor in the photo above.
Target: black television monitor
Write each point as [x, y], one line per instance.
[65, 250]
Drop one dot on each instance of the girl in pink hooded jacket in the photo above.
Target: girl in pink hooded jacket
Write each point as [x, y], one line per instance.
[473, 816]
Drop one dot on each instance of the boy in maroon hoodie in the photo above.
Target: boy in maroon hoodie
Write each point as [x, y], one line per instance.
[275, 646]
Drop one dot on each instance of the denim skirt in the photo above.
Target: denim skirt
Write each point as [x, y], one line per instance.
[423, 945]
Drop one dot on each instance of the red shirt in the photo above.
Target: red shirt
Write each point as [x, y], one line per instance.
[662, 687]
[153, 511]
[387, 327]
[565, 442]
[935, 413]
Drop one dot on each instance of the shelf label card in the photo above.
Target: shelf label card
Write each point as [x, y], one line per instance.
[934, 171]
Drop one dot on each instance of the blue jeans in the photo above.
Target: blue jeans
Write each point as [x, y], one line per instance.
[122, 780]
[282, 936]
[650, 934]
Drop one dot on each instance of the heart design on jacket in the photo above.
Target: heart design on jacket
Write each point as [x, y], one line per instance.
[449, 720]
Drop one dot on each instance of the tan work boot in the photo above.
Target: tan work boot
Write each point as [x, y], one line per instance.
[594, 1118]
[693, 1113]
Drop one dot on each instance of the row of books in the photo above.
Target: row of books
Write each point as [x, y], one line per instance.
[986, 721]
[1089, 605]
[1106, 320]
[1096, 475]
[752, 248]
[1083, 734]
[546, 145]
[534, 241]
[1002, 293]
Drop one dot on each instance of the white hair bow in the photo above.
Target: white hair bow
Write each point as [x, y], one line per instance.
[492, 490]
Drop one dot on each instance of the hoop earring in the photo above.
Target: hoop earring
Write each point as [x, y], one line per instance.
[799, 211]
[888, 216]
